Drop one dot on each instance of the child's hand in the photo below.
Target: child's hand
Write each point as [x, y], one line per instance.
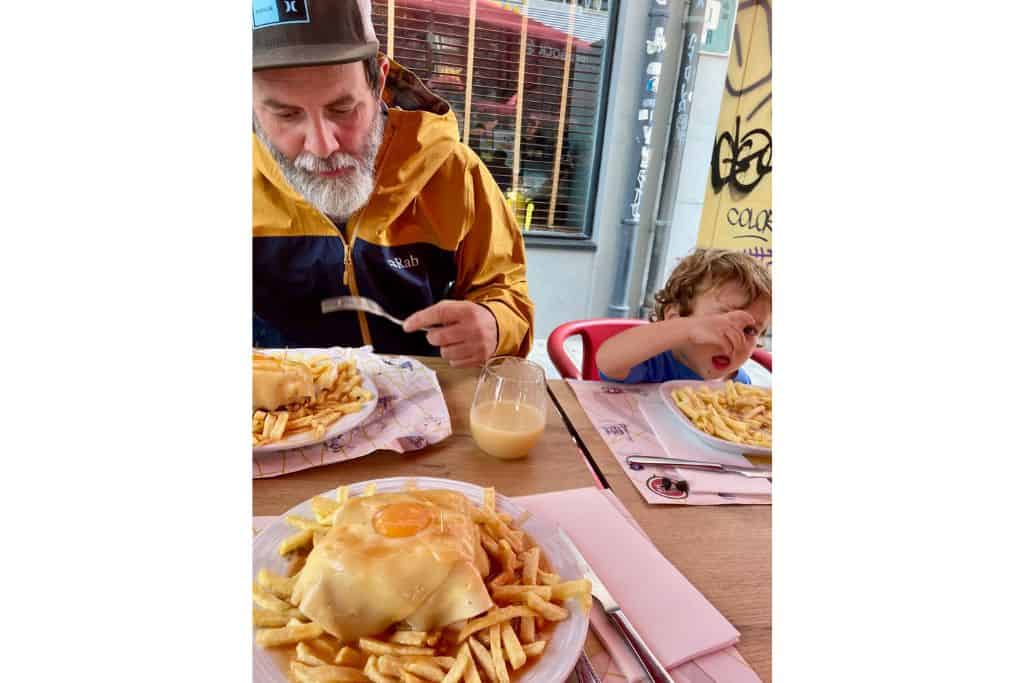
[727, 331]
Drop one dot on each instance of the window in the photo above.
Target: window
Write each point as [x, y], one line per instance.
[538, 131]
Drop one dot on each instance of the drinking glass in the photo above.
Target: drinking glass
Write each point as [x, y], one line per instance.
[509, 408]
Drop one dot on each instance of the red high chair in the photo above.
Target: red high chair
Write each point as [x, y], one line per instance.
[594, 333]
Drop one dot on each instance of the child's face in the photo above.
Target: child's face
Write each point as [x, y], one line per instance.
[708, 360]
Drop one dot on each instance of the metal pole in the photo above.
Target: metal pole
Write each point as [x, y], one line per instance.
[566, 63]
[523, 31]
[654, 46]
[391, 29]
[666, 200]
[470, 49]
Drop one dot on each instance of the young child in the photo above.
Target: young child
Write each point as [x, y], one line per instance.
[707, 321]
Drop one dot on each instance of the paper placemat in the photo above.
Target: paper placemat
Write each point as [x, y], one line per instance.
[618, 413]
[411, 414]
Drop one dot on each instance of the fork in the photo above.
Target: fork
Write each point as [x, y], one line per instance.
[361, 303]
[357, 303]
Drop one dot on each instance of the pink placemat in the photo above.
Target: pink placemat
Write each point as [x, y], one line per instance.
[684, 629]
[411, 414]
[633, 420]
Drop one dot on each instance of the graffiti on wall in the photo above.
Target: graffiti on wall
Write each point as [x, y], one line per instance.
[737, 210]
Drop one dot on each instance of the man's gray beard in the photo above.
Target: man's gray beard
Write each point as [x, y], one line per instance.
[338, 198]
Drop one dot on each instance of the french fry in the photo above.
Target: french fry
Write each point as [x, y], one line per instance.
[497, 655]
[295, 542]
[425, 669]
[570, 589]
[483, 658]
[489, 499]
[273, 603]
[379, 647]
[455, 673]
[326, 674]
[548, 579]
[324, 509]
[508, 557]
[374, 674]
[531, 565]
[535, 649]
[342, 495]
[302, 523]
[548, 610]
[280, 586]
[417, 638]
[494, 616]
[527, 630]
[268, 618]
[490, 545]
[281, 421]
[389, 665]
[471, 675]
[349, 656]
[517, 594]
[444, 663]
[287, 635]
[370, 490]
[305, 654]
[513, 649]
[407, 677]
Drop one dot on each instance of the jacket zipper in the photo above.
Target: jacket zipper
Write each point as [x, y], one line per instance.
[348, 274]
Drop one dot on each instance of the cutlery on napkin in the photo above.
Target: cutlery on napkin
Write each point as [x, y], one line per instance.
[611, 607]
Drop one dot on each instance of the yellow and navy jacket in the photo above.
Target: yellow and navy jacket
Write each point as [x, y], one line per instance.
[436, 226]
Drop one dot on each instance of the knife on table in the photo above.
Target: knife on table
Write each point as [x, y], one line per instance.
[749, 472]
[643, 653]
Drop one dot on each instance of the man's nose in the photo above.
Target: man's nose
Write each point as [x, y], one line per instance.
[320, 139]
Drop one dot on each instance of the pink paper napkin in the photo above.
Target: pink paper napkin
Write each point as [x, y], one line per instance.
[676, 621]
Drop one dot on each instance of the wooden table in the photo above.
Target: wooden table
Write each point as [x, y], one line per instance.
[724, 550]
[553, 465]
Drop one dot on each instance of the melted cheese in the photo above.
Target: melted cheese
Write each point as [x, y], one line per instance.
[357, 581]
[276, 384]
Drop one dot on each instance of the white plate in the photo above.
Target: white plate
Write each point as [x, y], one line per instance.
[666, 390]
[346, 423]
[566, 643]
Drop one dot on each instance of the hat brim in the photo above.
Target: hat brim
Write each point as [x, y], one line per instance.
[312, 55]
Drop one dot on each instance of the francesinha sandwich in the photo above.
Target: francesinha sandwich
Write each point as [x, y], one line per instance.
[279, 382]
[412, 558]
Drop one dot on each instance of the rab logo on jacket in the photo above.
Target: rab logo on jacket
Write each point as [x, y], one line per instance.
[399, 263]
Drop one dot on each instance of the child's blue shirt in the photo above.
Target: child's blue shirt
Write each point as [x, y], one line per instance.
[663, 368]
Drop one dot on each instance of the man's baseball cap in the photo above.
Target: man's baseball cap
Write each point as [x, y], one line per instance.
[310, 32]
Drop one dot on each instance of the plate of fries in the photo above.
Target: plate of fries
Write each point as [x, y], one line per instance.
[534, 633]
[728, 416]
[345, 398]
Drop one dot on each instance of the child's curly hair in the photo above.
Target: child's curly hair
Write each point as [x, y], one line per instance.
[706, 269]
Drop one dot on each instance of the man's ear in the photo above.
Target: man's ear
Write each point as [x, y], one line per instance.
[385, 66]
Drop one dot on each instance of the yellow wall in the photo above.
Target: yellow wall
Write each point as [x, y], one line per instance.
[738, 201]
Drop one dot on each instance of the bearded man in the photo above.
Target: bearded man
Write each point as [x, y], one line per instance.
[361, 187]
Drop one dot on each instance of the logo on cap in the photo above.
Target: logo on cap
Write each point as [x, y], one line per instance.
[276, 12]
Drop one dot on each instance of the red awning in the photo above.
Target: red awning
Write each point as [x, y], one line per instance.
[492, 16]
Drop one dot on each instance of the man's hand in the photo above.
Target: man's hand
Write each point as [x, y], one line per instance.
[726, 331]
[466, 332]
